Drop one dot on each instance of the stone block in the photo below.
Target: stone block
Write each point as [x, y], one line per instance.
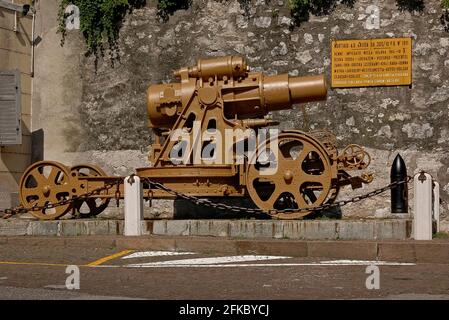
[73, 228]
[160, 227]
[178, 228]
[214, 228]
[43, 228]
[13, 227]
[241, 229]
[356, 230]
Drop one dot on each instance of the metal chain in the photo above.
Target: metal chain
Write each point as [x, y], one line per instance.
[222, 206]
[209, 203]
[22, 209]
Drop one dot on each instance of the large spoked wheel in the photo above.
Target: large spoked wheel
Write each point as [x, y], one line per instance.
[293, 172]
[91, 206]
[45, 183]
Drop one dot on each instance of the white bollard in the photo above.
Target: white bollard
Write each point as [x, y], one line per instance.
[133, 206]
[422, 220]
[436, 204]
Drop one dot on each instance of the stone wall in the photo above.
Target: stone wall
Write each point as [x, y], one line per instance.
[99, 116]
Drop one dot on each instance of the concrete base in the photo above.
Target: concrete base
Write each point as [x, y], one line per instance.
[18, 227]
[237, 229]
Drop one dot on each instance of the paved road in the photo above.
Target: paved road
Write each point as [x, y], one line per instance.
[40, 273]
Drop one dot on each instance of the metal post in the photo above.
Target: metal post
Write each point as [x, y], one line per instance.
[133, 206]
[399, 194]
[422, 219]
[436, 204]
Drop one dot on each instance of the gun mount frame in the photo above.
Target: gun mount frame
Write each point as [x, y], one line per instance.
[213, 97]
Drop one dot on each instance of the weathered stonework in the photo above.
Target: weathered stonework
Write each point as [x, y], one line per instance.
[104, 112]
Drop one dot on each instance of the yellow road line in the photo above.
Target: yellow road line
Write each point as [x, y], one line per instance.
[112, 256]
[32, 264]
[44, 264]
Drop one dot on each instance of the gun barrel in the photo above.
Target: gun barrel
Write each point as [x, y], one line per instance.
[308, 89]
[230, 66]
[282, 91]
[226, 80]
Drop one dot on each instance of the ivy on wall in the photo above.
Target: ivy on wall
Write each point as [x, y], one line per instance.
[445, 16]
[301, 9]
[410, 5]
[100, 22]
[165, 8]
[246, 6]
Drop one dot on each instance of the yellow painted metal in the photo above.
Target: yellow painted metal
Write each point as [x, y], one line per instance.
[214, 97]
[46, 183]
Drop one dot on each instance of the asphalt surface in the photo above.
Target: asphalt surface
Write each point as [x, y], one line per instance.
[40, 273]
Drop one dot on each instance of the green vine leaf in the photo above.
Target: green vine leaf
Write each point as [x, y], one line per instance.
[100, 23]
[300, 10]
[100, 20]
[445, 4]
[411, 5]
[165, 8]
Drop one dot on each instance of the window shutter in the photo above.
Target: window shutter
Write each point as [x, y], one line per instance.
[10, 110]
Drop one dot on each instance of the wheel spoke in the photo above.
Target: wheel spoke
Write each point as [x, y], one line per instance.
[302, 204]
[60, 188]
[288, 164]
[322, 197]
[295, 168]
[305, 177]
[45, 189]
[53, 199]
[304, 153]
[39, 177]
[37, 203]
[274, 196]
[94, 208]
[36, 191]
[53, 175]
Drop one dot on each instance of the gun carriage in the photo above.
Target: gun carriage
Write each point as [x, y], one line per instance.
[216, 101]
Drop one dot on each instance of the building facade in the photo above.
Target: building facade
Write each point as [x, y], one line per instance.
[16, 77]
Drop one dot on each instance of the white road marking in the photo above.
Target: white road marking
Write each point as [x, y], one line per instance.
[266, 265]
[143, 254]
[55, 286]
[207, 261]
[3, 278]
[218, 262]
[364, 263]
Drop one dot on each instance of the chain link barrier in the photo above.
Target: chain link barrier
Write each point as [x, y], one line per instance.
[21, 209]
[208, 203]
[274, 212]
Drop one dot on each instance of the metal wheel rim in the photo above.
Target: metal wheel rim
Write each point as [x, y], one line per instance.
[309, 145]
[94, 207]
[358, 156]
[39, 189]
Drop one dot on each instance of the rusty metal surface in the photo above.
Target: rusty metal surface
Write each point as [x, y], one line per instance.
[215, 96]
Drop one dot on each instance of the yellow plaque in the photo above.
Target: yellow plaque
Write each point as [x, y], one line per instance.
[371, 62]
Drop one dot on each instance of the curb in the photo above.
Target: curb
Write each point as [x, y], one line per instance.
[394, 229]
[434, 251]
